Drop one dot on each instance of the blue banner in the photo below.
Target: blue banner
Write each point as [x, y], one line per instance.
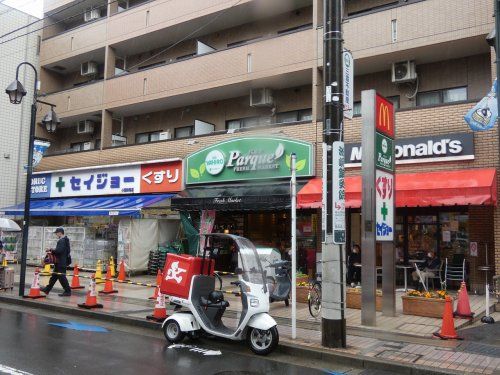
[484, 114]
[39, 149]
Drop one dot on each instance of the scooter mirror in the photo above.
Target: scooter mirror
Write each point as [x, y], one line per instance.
[238, 271]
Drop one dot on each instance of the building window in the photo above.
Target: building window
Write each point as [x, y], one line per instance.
[248, 122]
[81, 146]
[393, 99]
[183, 132]
[147, 137]
[294, 116]
[437, 97]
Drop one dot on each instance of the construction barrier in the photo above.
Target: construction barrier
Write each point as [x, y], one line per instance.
[448, 331]
[75, 281]
[91, 297]
[35, 287]
[159, 277]
[108, 286]
[160, 310]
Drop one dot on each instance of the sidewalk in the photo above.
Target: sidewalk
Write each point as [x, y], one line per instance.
[394, 342]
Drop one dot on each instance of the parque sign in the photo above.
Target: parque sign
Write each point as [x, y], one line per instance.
[244, 159]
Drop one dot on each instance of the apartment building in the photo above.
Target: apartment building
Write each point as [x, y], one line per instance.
[140, 81]
[15, 119]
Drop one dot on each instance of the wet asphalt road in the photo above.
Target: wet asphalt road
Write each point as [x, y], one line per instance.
[30, 344]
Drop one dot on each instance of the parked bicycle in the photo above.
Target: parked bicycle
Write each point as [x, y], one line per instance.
[314, 298]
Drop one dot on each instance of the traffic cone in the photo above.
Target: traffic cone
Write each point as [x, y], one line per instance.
[75, 281]
[47, 270]
[448, 326]
[463, 305]
[121, 274]
[108, 287]
[160, 310]
[159, 276]
[35, 287]
[112, 265]
[98, 273]
[91, 298]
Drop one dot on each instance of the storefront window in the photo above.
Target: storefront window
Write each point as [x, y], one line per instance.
[422, 235]
[454, 233]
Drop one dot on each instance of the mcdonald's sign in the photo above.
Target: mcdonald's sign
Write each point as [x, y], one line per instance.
[384, 116]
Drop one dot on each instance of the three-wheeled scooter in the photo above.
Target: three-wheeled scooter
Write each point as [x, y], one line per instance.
[190, 284]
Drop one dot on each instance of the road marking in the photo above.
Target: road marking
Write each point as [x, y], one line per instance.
[196, 349]
[79, 327]
[12, 371]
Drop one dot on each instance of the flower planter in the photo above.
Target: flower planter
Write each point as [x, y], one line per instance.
[420, 306]
[302, 279]
[302, 293]
[353, 300]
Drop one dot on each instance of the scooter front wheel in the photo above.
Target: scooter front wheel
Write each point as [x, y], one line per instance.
[172, 332]
[262, 342]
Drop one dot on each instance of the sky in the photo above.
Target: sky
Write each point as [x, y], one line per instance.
[34, 7]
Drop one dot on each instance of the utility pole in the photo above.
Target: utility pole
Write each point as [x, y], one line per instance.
[333, 323]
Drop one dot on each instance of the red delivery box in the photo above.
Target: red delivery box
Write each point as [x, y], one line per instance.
[178, 272]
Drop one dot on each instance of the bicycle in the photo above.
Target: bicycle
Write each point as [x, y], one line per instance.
[314, 298]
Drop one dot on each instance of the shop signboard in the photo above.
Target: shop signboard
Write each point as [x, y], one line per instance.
[160, 177]
[384, 116]
[426, 149]
[338, 201]
[384, 207]
[252, 158]
[348, 84]
[384, 152]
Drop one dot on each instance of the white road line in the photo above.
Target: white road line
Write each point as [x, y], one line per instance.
[12, 371]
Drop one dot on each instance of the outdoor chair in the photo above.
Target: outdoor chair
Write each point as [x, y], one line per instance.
[437, 275]
[454, 272]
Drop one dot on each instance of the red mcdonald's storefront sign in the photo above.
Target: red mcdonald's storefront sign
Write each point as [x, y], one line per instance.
[384, 116]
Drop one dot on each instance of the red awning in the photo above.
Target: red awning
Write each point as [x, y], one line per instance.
[448, 188]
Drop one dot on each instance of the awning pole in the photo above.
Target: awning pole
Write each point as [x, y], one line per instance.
[294, 245]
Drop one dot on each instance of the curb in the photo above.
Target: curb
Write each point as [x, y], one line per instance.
[284, 347]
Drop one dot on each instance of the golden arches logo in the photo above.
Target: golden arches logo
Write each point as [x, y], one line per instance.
[384, 117]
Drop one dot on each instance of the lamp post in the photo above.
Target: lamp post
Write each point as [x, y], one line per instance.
[16, 94]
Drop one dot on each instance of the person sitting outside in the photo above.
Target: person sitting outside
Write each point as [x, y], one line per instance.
[427, 269]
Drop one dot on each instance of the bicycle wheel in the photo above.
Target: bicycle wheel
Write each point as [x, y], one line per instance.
[314, 300]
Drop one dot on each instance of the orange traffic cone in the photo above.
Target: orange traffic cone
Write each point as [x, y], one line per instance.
[463, 305]
[35, 287]
[160, 311]
[448, 327]
[121, 274]
[108, 287]
[159, 276]
[91, 298]
[75, 281]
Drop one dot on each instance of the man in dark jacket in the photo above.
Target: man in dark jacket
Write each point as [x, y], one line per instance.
[61, 252]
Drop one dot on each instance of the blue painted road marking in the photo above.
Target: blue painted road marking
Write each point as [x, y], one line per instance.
[79, 327]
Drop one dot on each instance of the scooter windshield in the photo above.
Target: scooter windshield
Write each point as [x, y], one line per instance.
[250, 262]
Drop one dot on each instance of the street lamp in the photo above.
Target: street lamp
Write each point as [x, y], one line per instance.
[16, 93]
[51, 120]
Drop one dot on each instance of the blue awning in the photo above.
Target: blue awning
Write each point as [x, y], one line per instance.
[101, 206]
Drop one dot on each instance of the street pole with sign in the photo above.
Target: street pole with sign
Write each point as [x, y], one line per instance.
[293, 186]
[378, 203]
[333, 322]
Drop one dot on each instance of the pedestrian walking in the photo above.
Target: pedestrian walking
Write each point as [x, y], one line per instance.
[62, 254]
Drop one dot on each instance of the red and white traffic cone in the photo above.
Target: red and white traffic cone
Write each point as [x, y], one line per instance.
[463, 305]
[160, 310]
[35, 287]
[159, 277]
[75, 280]
[91, 298]
[122, 276]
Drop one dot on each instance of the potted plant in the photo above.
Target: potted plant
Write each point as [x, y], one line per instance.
[302, 291]
[429, 304]
[353, 299]
[301, 277]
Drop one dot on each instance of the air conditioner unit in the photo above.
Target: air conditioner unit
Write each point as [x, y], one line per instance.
[91, 14]
[88, 68]
[118, 140]
[404, 71]
[85, 127]
[165, 135]
[261, 98]
[88, 146]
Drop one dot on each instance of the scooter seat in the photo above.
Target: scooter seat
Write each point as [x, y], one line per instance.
[207, 303]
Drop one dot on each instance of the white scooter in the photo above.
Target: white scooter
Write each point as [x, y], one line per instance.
[207, 306]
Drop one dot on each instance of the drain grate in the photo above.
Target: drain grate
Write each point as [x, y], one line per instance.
[399, 356]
